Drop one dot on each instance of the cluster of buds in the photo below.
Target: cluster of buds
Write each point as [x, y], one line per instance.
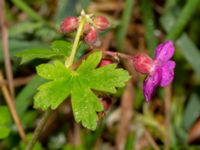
[94, 24]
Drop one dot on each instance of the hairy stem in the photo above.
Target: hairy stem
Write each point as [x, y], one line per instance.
[69, 61]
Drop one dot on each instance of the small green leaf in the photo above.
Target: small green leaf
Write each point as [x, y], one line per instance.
[61, 46]
[79, 85]
[58, 48]
[28, 55]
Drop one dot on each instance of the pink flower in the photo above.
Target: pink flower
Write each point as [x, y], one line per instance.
[160, 70]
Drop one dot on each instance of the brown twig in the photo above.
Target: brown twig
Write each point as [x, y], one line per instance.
[18, 81]
[5, 48]
[12, 109]
[167, 115]
[126, 114]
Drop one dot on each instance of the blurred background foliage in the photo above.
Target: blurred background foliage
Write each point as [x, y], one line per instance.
[170, 121]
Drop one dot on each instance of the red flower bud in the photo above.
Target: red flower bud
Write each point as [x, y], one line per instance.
[87, 28]
[69, 24]
[101, 22]
[105, 62]
[106, 102]
[91, 37]
[143, 63]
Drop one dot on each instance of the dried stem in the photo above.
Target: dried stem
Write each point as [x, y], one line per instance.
[151, 140]
[69, 62]
[167, 115]
[18, 81]
[39, 129]
[12, 109]
[5, 48]
[126, 114]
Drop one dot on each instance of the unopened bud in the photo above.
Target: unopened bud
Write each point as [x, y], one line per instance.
[69, 24]
[106, 102]
[87, 28]
[101, 22]
[105, 62]
[91, 37]
[143, 63]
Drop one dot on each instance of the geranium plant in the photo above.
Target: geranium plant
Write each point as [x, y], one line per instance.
[82, 80]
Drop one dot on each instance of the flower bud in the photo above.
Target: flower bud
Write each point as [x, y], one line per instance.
[87, 28]
[101, 22]
[91, 37]
[105, 62]
[106, 102]
[143, 63]
[69, 24]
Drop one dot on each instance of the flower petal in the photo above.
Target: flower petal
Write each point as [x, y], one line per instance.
[164, 52]
[150, 84]
[167, 73]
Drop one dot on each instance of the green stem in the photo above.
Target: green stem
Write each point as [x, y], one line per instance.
[69, 62]
[183, 19]
[123, 27]
[38, 129]
[148, 17]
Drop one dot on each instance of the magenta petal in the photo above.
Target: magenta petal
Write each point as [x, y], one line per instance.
[150, 84]
[167, 73]
[164, 52]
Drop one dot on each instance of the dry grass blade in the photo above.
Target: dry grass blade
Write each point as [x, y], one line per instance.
[167, 115]
[126, 114]
[5, 48]
[12, 109]
[18, 81]
[151, 140]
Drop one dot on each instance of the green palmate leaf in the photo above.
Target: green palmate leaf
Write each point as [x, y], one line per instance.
[58, 48]
[79, 84]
